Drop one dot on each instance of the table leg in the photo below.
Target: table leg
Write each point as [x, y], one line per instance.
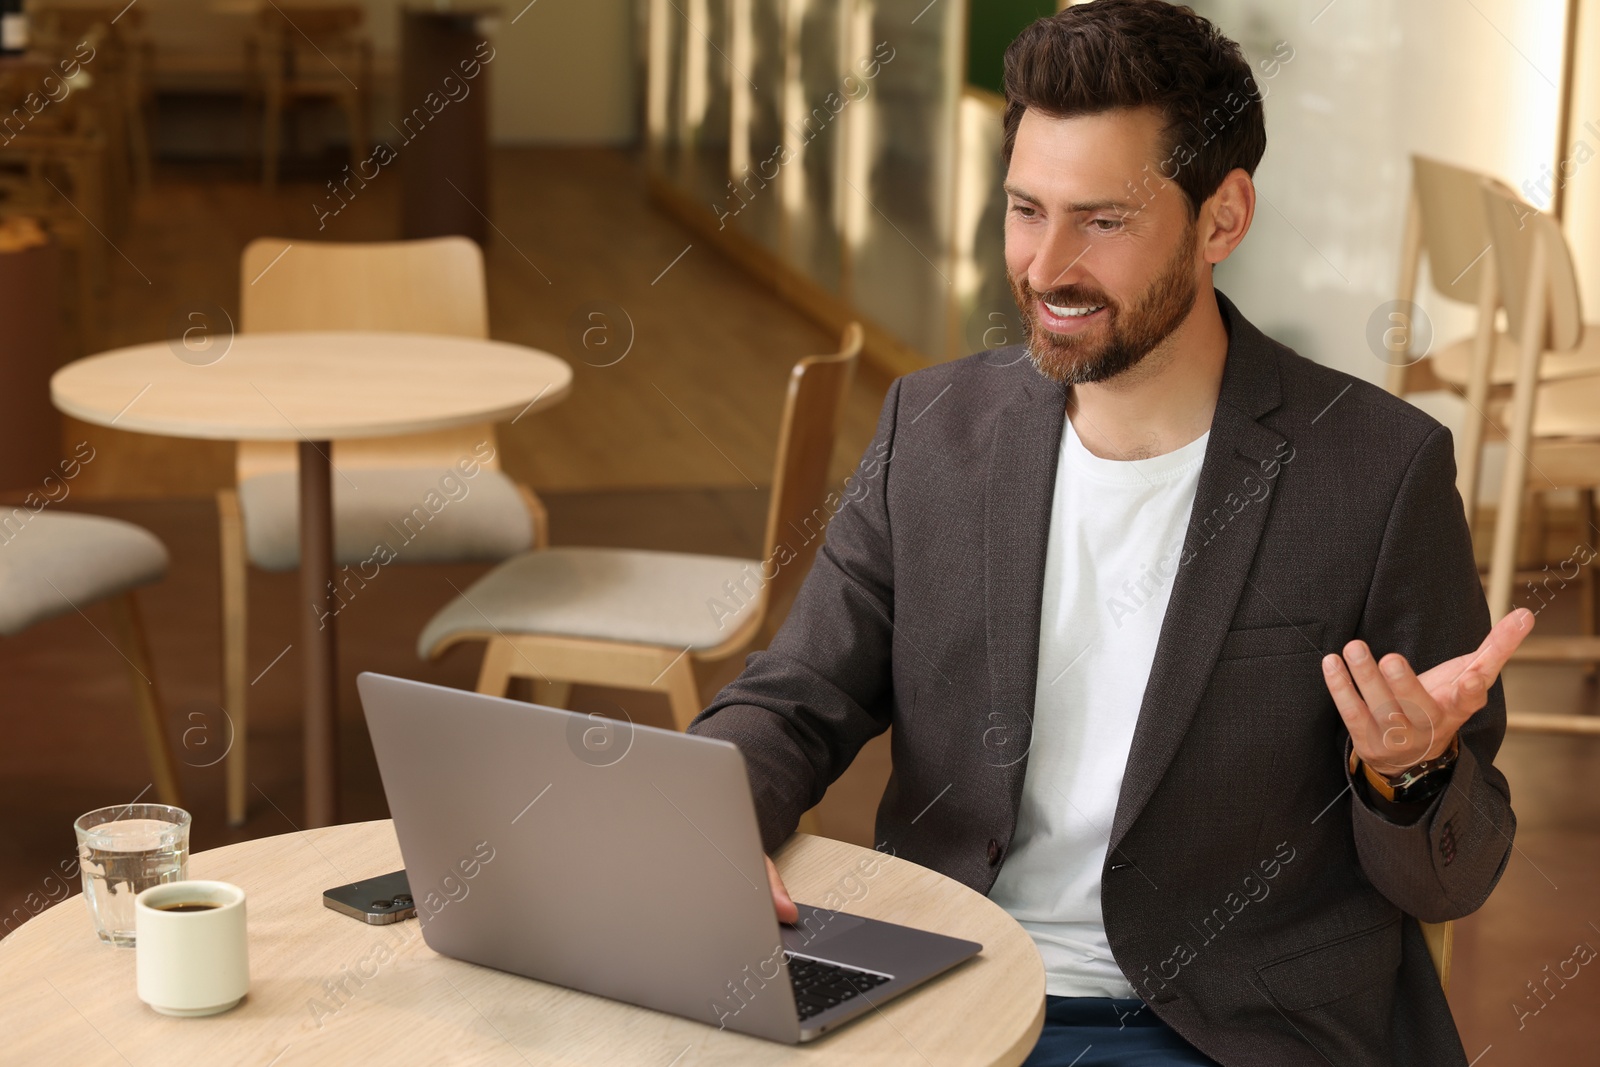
[320, 677]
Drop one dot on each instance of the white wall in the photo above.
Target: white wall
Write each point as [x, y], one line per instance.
[1371, 82]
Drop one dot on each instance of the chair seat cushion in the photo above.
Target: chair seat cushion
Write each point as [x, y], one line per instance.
[386, 515]
[52, 563]
[656, 598]
[1453, 362]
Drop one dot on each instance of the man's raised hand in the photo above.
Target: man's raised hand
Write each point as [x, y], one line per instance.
[1398, 718]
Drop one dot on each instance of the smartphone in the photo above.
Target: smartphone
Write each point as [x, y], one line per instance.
[380, 900]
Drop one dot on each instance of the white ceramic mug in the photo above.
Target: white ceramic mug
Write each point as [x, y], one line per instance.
[193, 957]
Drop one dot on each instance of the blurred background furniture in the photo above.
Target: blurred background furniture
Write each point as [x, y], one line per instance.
[639, 619]
[315, 388]
[53, 564]
[305, 51]
[1446, 226]
[1441, 938]
[1554, 428]
[53, 166]
[30, 350]
[109, 42]
[445, 175]
[421, 287]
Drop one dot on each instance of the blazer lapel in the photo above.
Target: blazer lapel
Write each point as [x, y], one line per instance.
[1017, 504]
[1224, 529]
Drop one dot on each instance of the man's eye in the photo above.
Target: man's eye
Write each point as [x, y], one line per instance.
[1106, 225]
[1022, 209]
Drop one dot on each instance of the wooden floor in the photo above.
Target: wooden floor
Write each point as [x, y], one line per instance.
[646, 477]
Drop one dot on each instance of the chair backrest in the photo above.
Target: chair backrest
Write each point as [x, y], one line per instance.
[435, 285]
[1521, 232]
[1444, 224]
[798, 511]
[1454, 233]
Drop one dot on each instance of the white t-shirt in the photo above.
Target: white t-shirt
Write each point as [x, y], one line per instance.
[1116, 531]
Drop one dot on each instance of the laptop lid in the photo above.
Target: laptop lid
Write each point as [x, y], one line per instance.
[617, 859]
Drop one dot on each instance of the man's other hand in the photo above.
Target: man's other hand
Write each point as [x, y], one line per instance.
[1398, 718]
[787, 912]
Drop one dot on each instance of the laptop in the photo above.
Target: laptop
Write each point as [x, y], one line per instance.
[621, 860]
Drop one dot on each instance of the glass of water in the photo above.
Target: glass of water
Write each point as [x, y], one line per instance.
[124, 850]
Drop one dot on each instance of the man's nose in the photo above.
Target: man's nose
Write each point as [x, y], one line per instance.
[1061, 260]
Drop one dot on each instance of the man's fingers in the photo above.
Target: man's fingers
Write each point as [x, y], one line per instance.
[787, 912]
[1364, 669]
[1496, 649]
[1357, 717]
[1414, 707]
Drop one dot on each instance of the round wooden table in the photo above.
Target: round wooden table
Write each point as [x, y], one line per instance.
[313, 388]
[326, 989]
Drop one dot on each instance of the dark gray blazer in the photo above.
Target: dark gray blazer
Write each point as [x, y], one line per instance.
[1252, 897]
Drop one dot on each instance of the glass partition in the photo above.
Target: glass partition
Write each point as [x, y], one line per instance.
[823, 132]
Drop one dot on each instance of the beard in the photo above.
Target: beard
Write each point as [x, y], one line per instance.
[1128, 334]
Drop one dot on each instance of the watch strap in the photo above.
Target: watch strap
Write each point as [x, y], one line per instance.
[1410, 784]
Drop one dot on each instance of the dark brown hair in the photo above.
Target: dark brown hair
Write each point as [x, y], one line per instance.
[1109, 54]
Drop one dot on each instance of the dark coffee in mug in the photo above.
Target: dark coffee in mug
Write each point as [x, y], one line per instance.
[187, 905]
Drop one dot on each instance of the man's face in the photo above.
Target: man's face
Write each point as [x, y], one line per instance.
[1100, 252]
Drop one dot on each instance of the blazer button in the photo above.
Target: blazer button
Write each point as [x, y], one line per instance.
[994, 852]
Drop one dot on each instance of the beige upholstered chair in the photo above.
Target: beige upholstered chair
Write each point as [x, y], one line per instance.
[433, 286]
[53, 563]
[639, 619]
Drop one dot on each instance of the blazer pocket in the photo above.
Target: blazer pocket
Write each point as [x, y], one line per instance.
[1272, 641]
[1334, 970]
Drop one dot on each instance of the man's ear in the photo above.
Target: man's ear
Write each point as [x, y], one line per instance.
[1225, 216]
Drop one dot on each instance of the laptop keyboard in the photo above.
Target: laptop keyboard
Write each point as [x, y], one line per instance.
[819, 986]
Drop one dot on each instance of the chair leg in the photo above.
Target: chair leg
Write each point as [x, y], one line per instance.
[683, 691]
[1538, 532]
[125, 612]
[1441, 948]
[538, 513]
[235, 649]
[495, 674]
[552, 694]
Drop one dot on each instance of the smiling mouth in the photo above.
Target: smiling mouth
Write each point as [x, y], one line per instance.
[1061, 312]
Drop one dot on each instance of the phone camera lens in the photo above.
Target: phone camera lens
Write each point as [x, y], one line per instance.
[383, 905]
[404, 898]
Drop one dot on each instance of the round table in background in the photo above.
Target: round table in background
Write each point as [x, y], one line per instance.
[326, 989]
[313, 388]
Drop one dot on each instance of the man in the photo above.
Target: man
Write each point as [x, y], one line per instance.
[1141, 601]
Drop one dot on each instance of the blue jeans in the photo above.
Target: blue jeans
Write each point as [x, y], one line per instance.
[1101, 1032]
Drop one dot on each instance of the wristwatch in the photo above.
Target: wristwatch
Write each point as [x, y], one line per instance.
[1414, 784]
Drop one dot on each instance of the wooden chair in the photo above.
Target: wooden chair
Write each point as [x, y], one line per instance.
[1554, 425]
[53, 564]
[1441, 938]
[433, 286]
[307, 52]
[1446, 225]
[640, 619]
